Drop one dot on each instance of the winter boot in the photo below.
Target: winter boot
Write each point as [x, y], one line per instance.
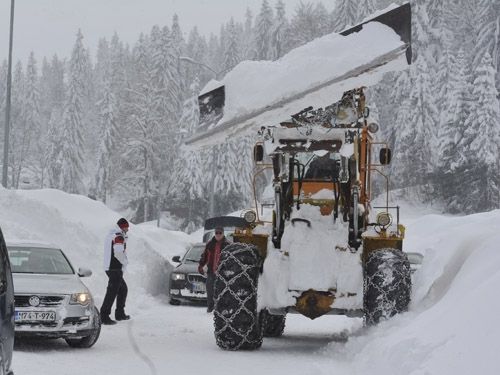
[120, 315]
[106, 320]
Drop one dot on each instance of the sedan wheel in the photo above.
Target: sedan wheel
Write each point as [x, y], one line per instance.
[90, 340]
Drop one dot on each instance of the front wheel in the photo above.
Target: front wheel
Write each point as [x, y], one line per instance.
[174, 302]
[90, 340]
[387, 284]
[236, 320]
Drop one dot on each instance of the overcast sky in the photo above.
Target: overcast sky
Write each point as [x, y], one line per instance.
[50, 26]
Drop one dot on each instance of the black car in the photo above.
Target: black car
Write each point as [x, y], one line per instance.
[6, 310]
[186, 284]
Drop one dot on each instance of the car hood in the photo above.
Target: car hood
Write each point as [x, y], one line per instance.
[47, 284]
[188, 267]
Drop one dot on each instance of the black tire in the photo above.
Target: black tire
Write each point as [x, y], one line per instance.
[387, 285]
[274, 325]
[174, 302]
[236, 320]
[90, 340]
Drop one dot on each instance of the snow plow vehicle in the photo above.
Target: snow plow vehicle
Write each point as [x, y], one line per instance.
[326, 249]
[326, 252]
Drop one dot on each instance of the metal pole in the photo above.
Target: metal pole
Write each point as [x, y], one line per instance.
[7, 102]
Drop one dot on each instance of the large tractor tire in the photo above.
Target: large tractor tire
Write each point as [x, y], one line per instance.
[274, 325]
[237, 322]
[387, 285]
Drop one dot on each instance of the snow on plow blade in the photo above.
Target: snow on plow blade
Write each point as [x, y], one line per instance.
[261, 93]
[398, 19]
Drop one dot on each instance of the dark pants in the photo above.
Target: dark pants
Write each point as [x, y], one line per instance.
[210, 291]
[117, 289]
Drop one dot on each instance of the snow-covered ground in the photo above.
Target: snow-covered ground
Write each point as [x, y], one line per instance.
[451, 327]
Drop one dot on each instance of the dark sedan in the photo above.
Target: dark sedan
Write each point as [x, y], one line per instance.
[186, 284]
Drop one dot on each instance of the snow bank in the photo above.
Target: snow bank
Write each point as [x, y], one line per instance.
[79, 225]
[452, 326]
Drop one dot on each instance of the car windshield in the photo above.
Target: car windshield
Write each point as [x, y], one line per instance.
[194, 254]
[39, 260]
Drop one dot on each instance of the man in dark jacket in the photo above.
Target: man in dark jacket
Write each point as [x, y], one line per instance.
[115, 263]
[211, 257]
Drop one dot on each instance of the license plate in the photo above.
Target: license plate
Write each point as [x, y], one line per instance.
[199, 287]
[35, 316]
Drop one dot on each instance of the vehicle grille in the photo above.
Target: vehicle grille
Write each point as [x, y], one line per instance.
[194, 277]
[37, 324]
[45, 301]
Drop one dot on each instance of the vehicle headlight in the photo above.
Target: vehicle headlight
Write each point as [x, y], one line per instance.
[80, 299]
[178, 276]
[250, 216]
[384, 219]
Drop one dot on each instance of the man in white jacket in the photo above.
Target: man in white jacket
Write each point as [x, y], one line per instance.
[115, 263]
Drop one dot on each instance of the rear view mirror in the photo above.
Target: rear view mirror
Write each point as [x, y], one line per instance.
[385, 156]
[84, 272]
[176, 259]
[258, 153]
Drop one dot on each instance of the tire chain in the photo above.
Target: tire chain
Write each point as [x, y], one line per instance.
[231, 261]
[392, 298]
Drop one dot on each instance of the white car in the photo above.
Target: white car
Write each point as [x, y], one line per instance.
[50, 299]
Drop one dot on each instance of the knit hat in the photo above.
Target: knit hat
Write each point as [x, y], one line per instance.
[220, 229]
[122, 223]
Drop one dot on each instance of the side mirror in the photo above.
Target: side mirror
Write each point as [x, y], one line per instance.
[258, 153]
[176, 259]
[84, 272]
[385, 156]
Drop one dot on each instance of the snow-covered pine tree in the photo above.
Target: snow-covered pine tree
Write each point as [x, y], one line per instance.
[197, 50]
[73, 149]
[263, 32]
[365, 9]
[232, 52]
[53, 153]
[279, 32]
[17, 124]
[248, 42]
[107, 106]
[33, 140]
[344, 14]
[481, 141]
[215, 54]
[179, 75]
[485, 28]
[455, 110]
[309, 22]
[423, 119]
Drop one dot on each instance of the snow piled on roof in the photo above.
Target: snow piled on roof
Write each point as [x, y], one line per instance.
[255, 84]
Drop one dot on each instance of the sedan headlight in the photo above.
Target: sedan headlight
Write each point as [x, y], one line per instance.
[80, 299]
[178, 276]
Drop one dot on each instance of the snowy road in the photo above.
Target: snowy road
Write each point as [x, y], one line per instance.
[180, 339]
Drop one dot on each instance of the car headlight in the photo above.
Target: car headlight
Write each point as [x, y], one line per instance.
[178, 276]
[80, 299]
[250, 216]
[384, 219]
